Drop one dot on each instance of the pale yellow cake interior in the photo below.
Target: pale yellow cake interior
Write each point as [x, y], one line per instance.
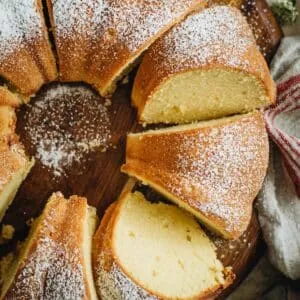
[163, 249]
[192, 126]
[204, 94]
[9, 191]
[212, 226]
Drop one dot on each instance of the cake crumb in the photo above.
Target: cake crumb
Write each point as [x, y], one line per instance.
[107, 102]
[8, 232]
[125, 80]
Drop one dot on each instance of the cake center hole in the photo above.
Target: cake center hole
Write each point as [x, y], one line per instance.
[64, 123]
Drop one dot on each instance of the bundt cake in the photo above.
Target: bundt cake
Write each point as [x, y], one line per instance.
[214, 169]
[97, 41]
[26, 58]
[199, 64]
[154, 251]
[206, 67]
[55, 260]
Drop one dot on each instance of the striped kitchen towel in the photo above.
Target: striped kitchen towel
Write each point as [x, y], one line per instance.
[278, 202]
[282, 122]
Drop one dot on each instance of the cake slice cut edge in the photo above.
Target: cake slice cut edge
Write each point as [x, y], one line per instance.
[208, 66]
[213, 169]
[199, 94]
[147, 268]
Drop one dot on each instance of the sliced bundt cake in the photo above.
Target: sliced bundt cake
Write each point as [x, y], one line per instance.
[55, 260]
[214, 169]
[97, 41]
[154, 251]
[206, 67]
[26, 58]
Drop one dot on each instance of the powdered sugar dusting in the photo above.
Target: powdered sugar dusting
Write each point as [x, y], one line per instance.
[131, 22]
[219, 34]
[20, 24]
[214, 163]
[53, 268]
[59, 269]
[217, 169]
[114, 284]
[65, 123]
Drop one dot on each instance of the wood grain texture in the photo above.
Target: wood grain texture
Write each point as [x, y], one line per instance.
[265, 28]
[99, 178]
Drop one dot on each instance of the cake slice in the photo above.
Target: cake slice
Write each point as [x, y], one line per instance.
[214, 169]
[55, 260]
[154, 251]
[26, 58]
[100, 41]
[207, 66]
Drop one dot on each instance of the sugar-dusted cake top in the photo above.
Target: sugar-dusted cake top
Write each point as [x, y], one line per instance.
[20, 23]
[219, 34]
[130, 22]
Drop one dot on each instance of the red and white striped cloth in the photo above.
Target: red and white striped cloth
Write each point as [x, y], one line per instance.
[278, 203]
[282, 122]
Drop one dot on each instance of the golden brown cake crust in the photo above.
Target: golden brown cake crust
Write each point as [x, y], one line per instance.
[217, 170]
[13, 159]
[116, 32]
[54, 266]
[106, 260]
[8, 98]
[26, 58]
[14, 164]
[12, 153]
[8, 118]
[7, 124]
[187, 47]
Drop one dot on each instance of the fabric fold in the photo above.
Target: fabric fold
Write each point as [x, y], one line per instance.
[278, 202]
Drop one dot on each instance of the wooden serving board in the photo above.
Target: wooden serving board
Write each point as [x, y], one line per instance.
[100, 180]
